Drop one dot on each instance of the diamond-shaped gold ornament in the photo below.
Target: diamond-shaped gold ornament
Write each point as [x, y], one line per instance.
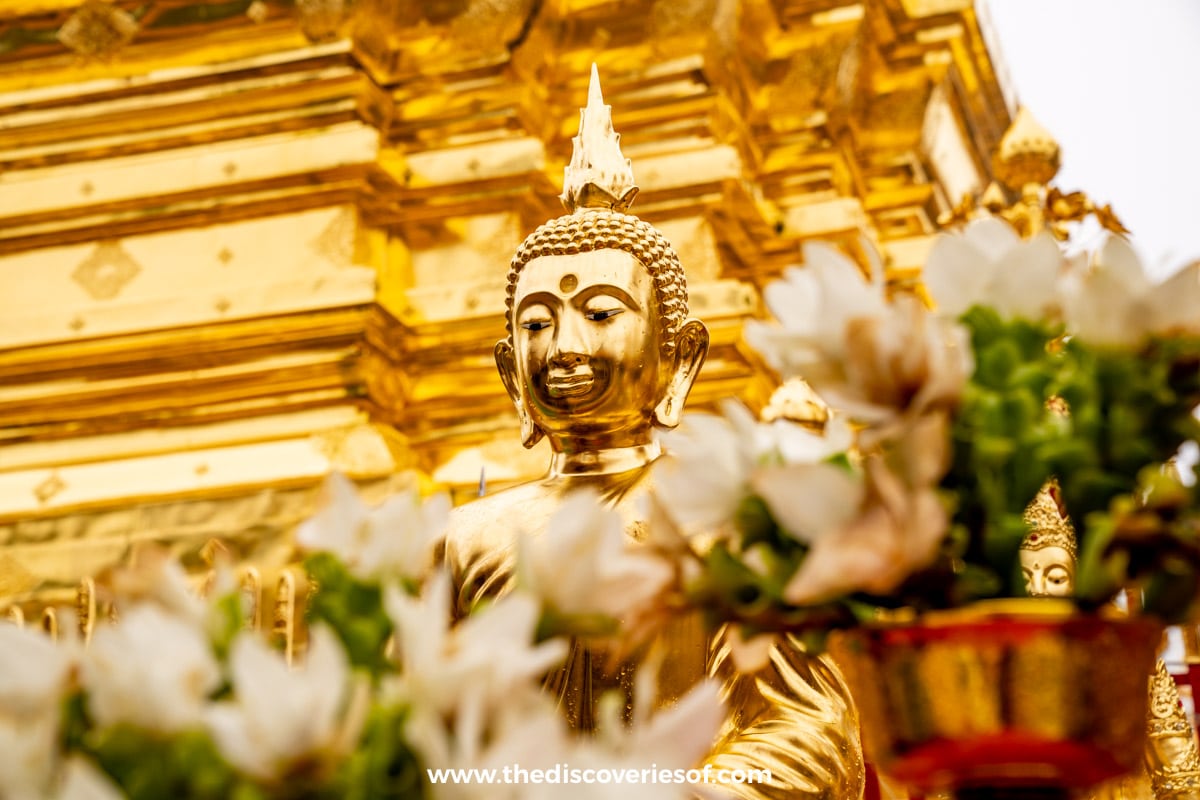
[97, 29]
[47, 489]
[107, 271]
[336, 240]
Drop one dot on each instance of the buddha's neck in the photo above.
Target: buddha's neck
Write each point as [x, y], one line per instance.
[607, 461]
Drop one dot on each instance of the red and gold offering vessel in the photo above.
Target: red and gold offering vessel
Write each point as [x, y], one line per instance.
[1018, 697]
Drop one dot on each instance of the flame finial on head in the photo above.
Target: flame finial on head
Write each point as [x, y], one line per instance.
[599, 176]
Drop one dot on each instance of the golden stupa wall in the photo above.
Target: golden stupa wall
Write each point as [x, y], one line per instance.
[247, 242]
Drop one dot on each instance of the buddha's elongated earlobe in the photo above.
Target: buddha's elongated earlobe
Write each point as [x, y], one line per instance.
[506, 364]
[691, 346]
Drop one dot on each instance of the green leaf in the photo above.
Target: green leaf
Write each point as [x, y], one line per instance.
[353, 609]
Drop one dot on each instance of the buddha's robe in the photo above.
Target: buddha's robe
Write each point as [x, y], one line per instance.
[793, 717]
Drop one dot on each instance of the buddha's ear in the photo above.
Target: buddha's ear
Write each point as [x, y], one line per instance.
[506, 363]
[691, 346]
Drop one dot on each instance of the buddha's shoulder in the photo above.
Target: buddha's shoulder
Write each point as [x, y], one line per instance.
[506, 513]
[496, 521]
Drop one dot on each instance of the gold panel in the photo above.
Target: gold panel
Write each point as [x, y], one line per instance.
[246, 243]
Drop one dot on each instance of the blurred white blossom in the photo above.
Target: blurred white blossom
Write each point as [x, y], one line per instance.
[283, 716]
[469, 671]
[584, 563]
[154, 670]
[34, 671]
[155, 576]
[1113, 302]
[28, 754]
[989, 264]
[813, 306]
[713, 462]
[397, 538]
[873, 359]
[895, 529]
[82, 780]
[35, 674]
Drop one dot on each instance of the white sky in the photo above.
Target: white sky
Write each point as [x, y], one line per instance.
[1117, 82]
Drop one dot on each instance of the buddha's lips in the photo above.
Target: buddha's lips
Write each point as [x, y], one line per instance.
[570, 384]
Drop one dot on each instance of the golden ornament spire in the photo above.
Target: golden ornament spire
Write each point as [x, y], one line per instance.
[1027, 153]
[1025, 162]
[1048, 527]
[599, 176]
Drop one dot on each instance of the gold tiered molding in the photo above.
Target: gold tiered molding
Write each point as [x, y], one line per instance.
[243, 244]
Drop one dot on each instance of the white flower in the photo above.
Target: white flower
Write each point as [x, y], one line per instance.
[281, 715]
[82, 780]
[809, 501]
[872, 359]
[155, 576]
[584, 563]
[33, 671]
[28, 754]
[397, 538]
[895, 531]
[902, 364]
[529, 734]
[471, 669]
[711, 462]
[1114, 303]
[989, 264]
[152, 670]
[814, 305]
[673, 738]
[526, 731]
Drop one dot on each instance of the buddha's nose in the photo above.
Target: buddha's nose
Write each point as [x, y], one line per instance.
[568, 359]
[570, 344]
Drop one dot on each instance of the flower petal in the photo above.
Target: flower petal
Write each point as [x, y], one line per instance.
[34, 670]
[336, 526]
[1025, 280]
[1173, 307]
[83, 780]
[956, 275]
[809, 501]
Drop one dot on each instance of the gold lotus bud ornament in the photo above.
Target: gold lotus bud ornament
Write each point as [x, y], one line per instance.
[1048, 554]
[795, 401]
[1028, 153]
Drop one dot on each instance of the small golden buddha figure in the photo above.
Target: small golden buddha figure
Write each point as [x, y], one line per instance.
[1172, 757]
[599, 353]
[1048, 553]
[1172, 763]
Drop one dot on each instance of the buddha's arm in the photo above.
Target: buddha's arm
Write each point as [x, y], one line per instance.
[793, 717]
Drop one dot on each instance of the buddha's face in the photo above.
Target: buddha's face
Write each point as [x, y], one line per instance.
[1171, 751]
[586, 342]
[1049, 572]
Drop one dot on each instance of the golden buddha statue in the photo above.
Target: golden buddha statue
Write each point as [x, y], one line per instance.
[1172, 756]
[599, 352]
[1048, 553]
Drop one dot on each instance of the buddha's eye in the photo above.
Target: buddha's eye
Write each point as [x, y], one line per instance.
[536, 324]
[1058, 576]
[601, 315]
